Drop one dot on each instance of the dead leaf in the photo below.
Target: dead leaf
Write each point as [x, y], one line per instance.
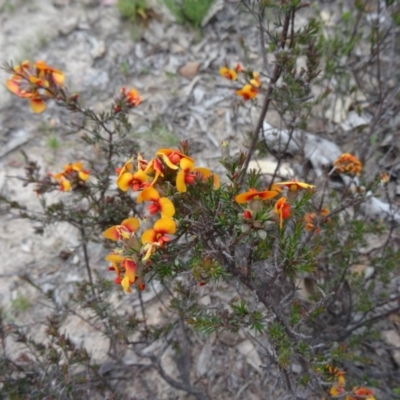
[189, 70]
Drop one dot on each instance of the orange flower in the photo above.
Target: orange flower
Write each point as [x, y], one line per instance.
[49, 73]
[36, 84]
[248, 92]
[137, 181]
[133, 98]
[348, 164]
[172, 157]
[253, 194]
[230, 74]
[20, 88]
[293, 186]
[158, 203]
[156, 237]
[72, 174]
[125, 230]
[188, 173]
[125, 269]
[282, 209]
[309, 219]
[361, 393]
[336, 390]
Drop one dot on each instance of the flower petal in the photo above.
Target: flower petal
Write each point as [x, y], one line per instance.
[37, 104]
[13, 86]
[124, 180]
[167, 207]
[131, 223]
[187, 164]
[84, 176]
[268, 194]
[125, 283]
[112, 234]
[180, 181]
[246, 196]
[168, 161]
[76, 166]
[130, 269]
[148, 236]
[65, 185]
[115, 258]
[165, 225]
[148, 194]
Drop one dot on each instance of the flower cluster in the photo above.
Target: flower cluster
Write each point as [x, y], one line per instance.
[257, 215]
[168, 165]
[338, 387]
[73, 176]
[251, 83]
[311, 219]
[127, 100]
[169, 171]
[37, 83]
[348, 164]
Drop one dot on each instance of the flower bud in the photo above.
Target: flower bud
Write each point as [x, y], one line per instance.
[225, 151]
[247, 214]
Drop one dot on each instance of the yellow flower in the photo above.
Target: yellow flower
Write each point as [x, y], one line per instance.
[156, 237]
[123, 231]
[188, 173]
[158, 203]
[125, 269]
[248, 92]
[161, 227]
[228, 73]
[73, 174]
[137, 181]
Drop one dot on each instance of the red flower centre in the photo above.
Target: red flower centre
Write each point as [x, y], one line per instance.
[190, 178]
[154, 207]
[175, 158]
[285, 210]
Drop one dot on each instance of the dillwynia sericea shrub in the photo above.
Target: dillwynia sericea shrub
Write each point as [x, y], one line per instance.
[164, 217]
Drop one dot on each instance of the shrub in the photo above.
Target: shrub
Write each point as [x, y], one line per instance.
[199, 230]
